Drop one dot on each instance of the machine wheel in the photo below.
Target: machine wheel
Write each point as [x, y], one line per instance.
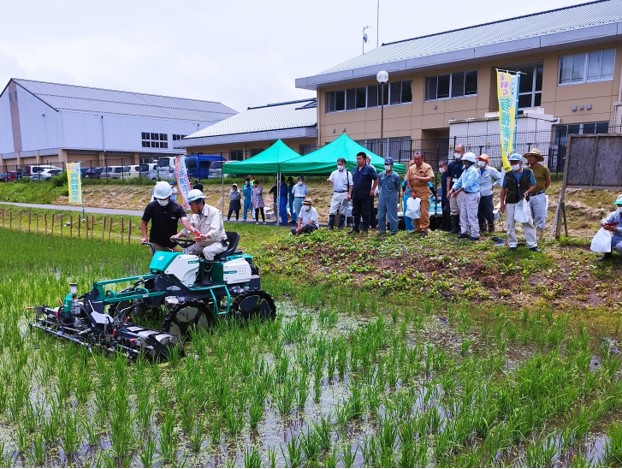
[185, 315]
[254, 303]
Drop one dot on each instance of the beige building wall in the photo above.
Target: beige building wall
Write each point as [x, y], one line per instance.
[248, 148]
[571, 103]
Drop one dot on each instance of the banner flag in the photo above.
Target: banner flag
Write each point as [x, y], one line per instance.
[183, 182]
[507, 94]
[75, 183]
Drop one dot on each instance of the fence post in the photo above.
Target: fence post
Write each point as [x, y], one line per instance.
[109, 228]
[71, 226]
[52, 225]
[103, 226]
[79, 226]
[129, 230]
[92, 225]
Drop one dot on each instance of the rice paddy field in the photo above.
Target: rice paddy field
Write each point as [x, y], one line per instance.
[395, 351]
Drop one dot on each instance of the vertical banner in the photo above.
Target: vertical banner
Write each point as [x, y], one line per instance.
[507, 94]
[183, 181]
[75, 183]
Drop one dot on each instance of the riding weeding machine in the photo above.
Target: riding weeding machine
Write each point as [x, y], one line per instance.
[185, 289]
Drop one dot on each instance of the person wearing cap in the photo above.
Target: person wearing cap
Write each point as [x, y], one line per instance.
[454, 170]
[341, 182]
[468, 185]
[419, 175]
[613, 223]
[517, 185]
[364, 183]
[389, 189]
[488, 177]
[299, 193]
[235, 197]
[537, 200]
[206, 225]
[164, 215]
[307, 218]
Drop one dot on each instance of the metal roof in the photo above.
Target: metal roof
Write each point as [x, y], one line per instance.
[280, 116]
[589, 21]
[102, 101]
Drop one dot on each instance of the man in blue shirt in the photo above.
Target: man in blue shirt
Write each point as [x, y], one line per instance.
[362, 178]
[468, 185]
[517, 185]
[389, 188]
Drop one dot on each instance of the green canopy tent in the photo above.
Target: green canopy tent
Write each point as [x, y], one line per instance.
[324, 160]
[269, 161]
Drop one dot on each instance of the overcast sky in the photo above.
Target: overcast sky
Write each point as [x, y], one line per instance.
[239, 52]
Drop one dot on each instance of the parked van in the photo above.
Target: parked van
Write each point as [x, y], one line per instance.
[148, 171]
[198, 166]
[40, 168]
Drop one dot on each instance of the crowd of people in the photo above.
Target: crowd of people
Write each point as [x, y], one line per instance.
[466, 195]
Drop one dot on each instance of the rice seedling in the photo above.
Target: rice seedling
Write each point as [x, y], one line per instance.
[271, 457]
[294, 452]
[168, 437]
[348, 455]
[147, 453]
[37, 454]
[70, 434]
[252, 458]
[613, 448]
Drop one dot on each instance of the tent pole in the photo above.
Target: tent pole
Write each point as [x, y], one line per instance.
[277, 197]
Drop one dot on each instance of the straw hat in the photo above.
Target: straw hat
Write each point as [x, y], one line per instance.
[535, 152]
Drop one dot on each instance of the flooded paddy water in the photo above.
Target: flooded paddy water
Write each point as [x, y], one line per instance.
[315, 387]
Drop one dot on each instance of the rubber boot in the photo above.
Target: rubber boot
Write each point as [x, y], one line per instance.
[482, 228]
[491, 227]
[606, 256]
[342, 221]
[331, 222]
[455, 224]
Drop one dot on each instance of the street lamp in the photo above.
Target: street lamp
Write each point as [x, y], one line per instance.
[382, 77]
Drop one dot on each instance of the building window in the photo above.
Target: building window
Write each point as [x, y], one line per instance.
[256, 151]
[452, 85]
[178, 137]
[154, 140]
[236, 155]
[587, 67]
[398, 92]
[530, 84]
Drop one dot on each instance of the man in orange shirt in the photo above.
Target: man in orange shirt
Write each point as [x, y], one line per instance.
[418, 177]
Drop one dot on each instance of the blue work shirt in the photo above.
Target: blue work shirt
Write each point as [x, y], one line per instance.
[362, 178]
[388, 185]
[468, 180]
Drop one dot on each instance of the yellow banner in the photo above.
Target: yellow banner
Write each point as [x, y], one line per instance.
[507, 94]
[75, 183]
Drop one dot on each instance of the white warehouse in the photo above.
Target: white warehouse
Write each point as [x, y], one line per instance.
[50, 123]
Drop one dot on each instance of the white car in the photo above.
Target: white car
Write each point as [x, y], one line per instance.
[45, 174]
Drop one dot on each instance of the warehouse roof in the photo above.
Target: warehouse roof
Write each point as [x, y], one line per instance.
[592, 21]
[96, 100]
[279, 116]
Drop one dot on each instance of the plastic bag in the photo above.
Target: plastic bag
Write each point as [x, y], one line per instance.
[601, 242]
[522, 212]
[413, 208]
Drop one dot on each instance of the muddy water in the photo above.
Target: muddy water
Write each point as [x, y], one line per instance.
[275, 431]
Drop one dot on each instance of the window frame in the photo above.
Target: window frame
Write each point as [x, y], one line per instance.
[583, 66]
[445, 84]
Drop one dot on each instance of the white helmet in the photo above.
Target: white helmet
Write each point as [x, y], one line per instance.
[194, 195]
[162, 190]
[469, 156]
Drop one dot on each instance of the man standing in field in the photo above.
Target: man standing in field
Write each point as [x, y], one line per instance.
[164, 215]
[419, 175]
[537, 199]
[389, 187]
[364, 177]
[341, 181]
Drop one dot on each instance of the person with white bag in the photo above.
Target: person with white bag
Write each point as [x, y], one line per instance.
[538, 199]
[612, 227]
[517, 185]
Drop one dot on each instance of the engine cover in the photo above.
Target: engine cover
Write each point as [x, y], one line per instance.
[236, 271]
[185, 267]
